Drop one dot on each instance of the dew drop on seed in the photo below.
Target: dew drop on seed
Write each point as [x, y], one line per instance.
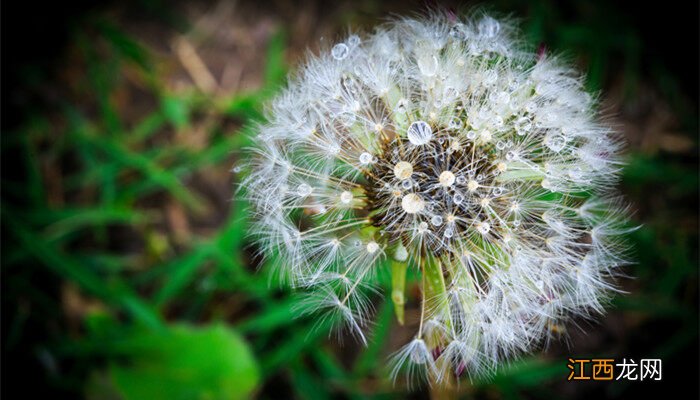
[372, 247]
[401, 106]
[304, 190]
[511, 155]
[348, 118]
[522, 126]
[576, 173]
[419, 133]
[500, 145]
[450, 92]
[483, 227]
[353, 40]
[449, 232]
[458, 31]
[423, 226]
[365, 158]
[458, 198]
[340, 51]
[461, 180]
[407, 184]
[436, 220]
[428, 64]
[471, 135]
[455, 123]
[346, 197]
[555, 142]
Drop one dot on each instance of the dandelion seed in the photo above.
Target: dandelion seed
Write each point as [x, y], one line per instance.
[412, 203]
[403, 170]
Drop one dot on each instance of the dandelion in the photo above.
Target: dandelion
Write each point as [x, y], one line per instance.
[443, 146]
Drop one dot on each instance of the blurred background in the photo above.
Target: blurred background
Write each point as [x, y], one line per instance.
[126, 273]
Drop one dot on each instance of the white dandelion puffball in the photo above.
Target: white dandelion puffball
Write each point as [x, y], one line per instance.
[441, 147]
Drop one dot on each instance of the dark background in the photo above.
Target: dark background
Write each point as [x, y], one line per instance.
[116, 64]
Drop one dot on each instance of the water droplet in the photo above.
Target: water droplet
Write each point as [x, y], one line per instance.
[372, 247]
[511, 155]
[346, 197]
[490, 78]
[450, 93]
[471, 135]
[523, 125]
[455, 123]
[458, 31]
[555, 142]
[401, 106]
[449, 232]
[422, 227]
[348, 118]
[428, 64]
[365, 158]
[500, 145]
[419, 133]
[436, 220]
[340, 51]
[407, 184]
[461, 180]
[349, 84]
[483, 227]
[458, 198]
[304, 190]
[353, 40]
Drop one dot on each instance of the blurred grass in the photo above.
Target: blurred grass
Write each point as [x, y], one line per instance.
[122, 208]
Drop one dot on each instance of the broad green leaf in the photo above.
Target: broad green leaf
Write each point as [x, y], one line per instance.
[183, 363]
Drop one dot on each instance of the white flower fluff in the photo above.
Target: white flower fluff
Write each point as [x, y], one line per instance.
[442, 146]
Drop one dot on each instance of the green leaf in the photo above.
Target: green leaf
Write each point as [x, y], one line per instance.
[176, 111]
[185, 362]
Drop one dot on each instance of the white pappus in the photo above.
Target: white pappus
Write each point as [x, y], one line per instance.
[445, 146]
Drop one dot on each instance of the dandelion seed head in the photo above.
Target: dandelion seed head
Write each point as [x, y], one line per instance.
[441, 142]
